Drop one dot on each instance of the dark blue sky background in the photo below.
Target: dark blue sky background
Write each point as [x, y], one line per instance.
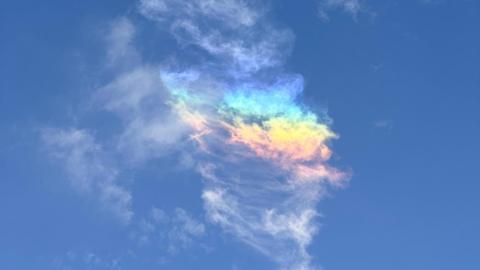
[401, 80]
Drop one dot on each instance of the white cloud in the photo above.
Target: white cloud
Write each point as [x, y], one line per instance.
[239, 39]
[128, 93]
[150, 127]
[295, 225]
[89, 170]
[235, 13]
[352, 7]
[171, 233]
[85, 260]
[184, 231]
[119, 39]
[276, 217]
[136, 95]
[158, 215]
[384, 124]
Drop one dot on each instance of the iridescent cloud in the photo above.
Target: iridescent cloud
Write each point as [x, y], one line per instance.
[269, 121]
[263, 155]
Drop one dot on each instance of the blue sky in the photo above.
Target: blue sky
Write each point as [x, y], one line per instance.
[96, 172]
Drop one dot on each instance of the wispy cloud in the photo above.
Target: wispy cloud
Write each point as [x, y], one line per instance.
[174, 232]
[149, 127]
[239, 41]
[85, 260]
[351, 7]
[137, 97]
[119, 38]
[89, 170]
[384, 124]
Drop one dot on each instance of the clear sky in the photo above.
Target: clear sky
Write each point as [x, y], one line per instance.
[229, 134]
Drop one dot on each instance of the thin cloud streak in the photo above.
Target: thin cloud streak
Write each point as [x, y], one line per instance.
[89, 170]
[173, 232]
[240, 41]
[351, 7]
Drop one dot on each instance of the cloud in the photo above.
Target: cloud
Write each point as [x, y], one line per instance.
[87, 162]
[85, 260]
[184, 230]
[149, 127]
[138, 99]
[261, 208]
[172, 233]
[234, 13]
[89, 170]
[263, 154]
[264, 157]
[240, 41]
[136, 96]
[383, 124]
[352, 7]
[119, 38]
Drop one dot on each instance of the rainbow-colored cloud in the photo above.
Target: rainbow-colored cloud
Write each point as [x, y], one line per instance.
[268, 121]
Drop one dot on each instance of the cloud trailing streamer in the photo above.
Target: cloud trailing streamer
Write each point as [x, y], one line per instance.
[262, 154]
